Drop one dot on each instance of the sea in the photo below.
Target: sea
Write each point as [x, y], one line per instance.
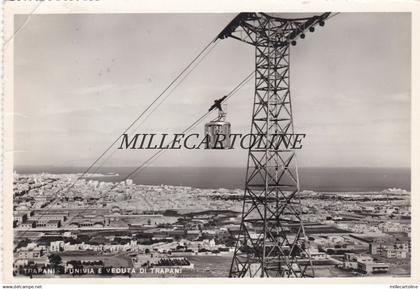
[326, 179]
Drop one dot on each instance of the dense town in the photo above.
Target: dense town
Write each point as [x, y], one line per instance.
[125, 229]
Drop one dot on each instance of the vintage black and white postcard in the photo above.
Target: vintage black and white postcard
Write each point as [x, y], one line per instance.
[261, 140]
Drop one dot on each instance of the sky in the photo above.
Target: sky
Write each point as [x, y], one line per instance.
[81, 79]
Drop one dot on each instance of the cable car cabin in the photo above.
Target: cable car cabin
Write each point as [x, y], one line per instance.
[218, 133]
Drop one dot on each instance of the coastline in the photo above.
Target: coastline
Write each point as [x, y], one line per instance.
[316, 179]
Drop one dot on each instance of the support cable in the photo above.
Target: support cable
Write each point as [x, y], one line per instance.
[160, 103]
[179, 78]
[158, 153]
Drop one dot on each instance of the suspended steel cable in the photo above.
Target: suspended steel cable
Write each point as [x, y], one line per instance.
[193, 125]
[150, 105]
[143, 165]
[161, 102]
[158, 153]
[180, 77]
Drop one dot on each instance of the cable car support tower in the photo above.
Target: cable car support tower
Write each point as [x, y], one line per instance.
[271, 241]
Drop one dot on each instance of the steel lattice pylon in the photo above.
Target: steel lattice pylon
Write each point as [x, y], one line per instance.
[271, 241]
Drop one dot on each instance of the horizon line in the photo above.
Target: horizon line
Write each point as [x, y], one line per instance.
[133, 166]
